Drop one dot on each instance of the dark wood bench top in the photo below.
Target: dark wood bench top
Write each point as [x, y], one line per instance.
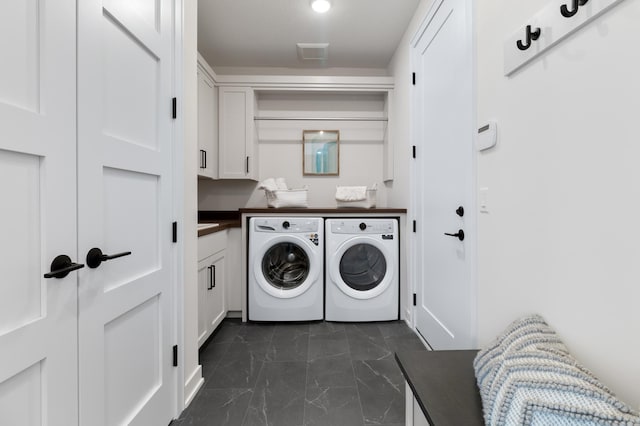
[444, 384]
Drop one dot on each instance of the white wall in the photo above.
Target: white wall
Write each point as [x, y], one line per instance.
[280, 150]
[561, 236]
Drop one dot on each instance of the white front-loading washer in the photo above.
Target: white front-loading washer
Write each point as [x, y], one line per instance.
[285, 277]
[362, 270]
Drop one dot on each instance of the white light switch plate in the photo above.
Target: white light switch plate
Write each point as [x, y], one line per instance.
[483, 200]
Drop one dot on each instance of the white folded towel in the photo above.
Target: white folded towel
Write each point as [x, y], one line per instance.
[269, 184]
[351, 193]
[281, 183]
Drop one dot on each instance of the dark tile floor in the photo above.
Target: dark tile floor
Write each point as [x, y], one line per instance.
[295, 374]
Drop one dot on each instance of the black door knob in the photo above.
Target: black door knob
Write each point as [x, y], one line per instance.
[61, 266]
[95, 257]
[459, 235]
[460, 211]
[363, 226]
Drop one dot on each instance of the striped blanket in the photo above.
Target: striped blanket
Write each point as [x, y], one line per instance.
[528, 377]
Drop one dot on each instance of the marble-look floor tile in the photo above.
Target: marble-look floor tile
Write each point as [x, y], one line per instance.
[218, 407]
[278, 398]
[290, 342]
[334, 406]
[227, 331]
[363, 328]
[368, 347]
[314, 373]
[317, 328]
[381, 390]
[394, 329]
[211, 356]
[329, 345]
[331, 372]
[240, 365]
[405, 343]
[253, 332]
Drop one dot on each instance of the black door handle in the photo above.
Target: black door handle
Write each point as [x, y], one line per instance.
[61, 266]
[459, 235]
[95, 257]
[214, 276]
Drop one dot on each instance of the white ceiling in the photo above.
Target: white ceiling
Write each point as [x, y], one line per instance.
[264, 33]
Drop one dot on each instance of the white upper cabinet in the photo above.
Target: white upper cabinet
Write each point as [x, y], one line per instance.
[207, 122]
[238, 142]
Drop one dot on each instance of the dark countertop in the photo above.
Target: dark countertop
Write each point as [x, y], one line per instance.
[322, 210]
[222, 225]
[224, 218]
[232, 218]
[444, 384]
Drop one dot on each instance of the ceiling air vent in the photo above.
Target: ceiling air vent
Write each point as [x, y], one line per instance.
[313, 51]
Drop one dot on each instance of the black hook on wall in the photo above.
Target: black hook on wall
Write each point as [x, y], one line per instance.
[529, 36]
[568, 13]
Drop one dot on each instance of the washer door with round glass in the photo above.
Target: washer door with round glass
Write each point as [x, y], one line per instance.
[286, 267]
[362, 268]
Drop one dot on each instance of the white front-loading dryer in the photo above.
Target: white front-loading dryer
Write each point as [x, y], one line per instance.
[362, 270]
[285, 277]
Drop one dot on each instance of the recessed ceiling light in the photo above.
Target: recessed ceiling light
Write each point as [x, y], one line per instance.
[320, 6]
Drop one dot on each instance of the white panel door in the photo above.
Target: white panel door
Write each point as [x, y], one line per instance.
[38, 316]
[124, 192]
[443, 124]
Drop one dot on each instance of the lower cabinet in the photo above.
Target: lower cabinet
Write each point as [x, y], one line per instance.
[212, 281]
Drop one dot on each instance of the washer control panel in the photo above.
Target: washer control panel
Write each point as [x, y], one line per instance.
[295, 225]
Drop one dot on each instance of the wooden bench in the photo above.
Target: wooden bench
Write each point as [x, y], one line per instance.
[443, 385]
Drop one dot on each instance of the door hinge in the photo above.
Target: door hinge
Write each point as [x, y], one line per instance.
[415, 302]
[175, 355]
[174, 107]
[415, 225]
[174, 232]
[414, 78]
[413, 151]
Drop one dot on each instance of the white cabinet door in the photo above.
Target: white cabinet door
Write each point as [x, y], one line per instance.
[207, 126]
[204, 278]
[211, 294]
[237, 139]
[38, 316]
[125, 131]
[216, 302]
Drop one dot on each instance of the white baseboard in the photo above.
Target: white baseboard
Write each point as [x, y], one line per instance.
[407, 317]
[193, 385]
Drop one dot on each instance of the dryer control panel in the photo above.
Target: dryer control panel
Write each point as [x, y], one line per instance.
[363, 226]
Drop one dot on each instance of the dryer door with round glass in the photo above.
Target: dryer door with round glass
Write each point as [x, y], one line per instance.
[285, 267]
[362, 268]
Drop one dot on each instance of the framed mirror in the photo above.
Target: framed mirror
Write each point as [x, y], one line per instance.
[320, 152]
